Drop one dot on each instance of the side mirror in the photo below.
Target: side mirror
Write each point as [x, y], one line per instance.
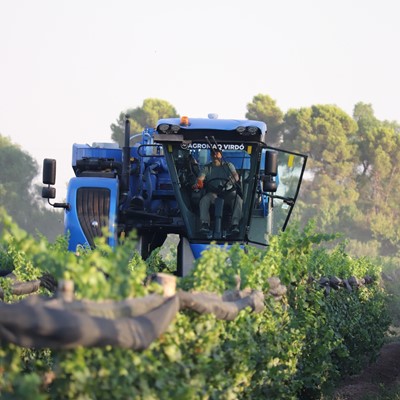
[270, 171]
[271, 163]
[49, 192]
[49, 171]
[49, 178]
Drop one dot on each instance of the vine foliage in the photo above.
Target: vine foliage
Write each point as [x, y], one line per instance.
[295, 348]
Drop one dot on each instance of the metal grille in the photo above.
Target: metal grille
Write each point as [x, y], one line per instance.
[93, 206]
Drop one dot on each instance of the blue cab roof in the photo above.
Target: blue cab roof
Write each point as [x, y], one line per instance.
[219, 124]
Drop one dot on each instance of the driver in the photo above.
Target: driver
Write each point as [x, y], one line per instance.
[220, 176]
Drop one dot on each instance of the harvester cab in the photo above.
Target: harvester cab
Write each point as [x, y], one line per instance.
[250, 196]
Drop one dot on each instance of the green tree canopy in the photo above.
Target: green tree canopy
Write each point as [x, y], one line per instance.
[326, 133]
[141, 117]
[19, 195]
[363, 114]
[264, 108]
[378, 181]
[17, 170]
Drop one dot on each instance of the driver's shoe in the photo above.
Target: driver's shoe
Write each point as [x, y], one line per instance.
[235, 229]
[205, 228]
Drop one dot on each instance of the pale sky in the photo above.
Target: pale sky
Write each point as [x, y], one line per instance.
[69, 67]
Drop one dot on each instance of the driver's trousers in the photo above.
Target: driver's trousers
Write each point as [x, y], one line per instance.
[231, 199]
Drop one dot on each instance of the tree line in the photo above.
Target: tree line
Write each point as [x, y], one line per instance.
[352, 184]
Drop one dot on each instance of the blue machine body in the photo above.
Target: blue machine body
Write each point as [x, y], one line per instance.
[82, 222]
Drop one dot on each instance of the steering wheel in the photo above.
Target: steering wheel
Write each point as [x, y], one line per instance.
[223, 182]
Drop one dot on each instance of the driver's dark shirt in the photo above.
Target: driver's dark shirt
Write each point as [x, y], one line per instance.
[225, 171]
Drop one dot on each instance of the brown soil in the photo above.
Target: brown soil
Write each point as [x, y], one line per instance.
[385, 372]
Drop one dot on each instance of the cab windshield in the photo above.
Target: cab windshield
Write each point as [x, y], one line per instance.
[214, 188]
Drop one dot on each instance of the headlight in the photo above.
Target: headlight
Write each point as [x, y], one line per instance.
[252, 130]
[163, 128]
[175, 128]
